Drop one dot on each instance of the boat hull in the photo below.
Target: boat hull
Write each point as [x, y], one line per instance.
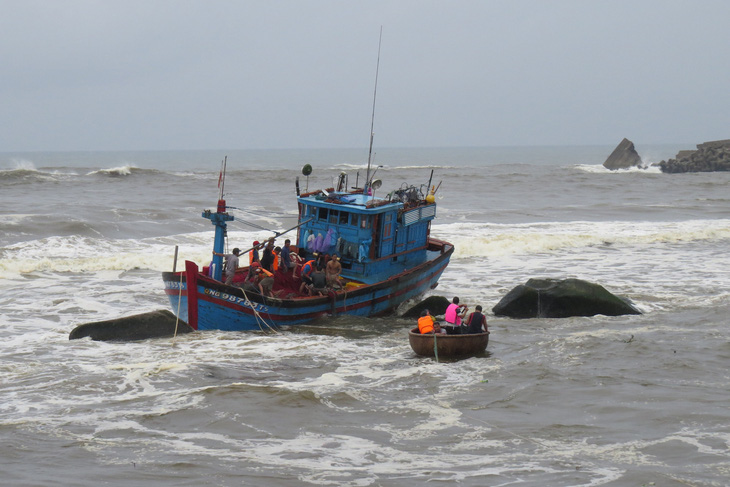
[216, 306]
[448, 345]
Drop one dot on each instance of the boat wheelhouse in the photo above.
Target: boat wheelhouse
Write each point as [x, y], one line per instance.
[374, 238]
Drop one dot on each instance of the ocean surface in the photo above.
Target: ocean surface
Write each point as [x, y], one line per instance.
[601, 401]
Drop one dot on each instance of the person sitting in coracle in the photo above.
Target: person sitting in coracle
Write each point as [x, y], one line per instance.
[426, 324]
[476, 322]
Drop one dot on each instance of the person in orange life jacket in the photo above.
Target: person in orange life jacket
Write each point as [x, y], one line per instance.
[306, 273]
[250, 284]
[253, 254]
[265, 281]
[426, 324]
[476, 321]
[454, 314]
[231, 264]
[277, 261]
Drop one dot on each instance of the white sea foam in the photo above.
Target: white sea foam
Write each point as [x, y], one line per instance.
[488, 240]
[600, 169]
[23, 164]
[16, 219]
[125, 170]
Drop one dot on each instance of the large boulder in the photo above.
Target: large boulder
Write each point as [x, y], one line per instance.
[155, 324]
[436, 305]
[553, 298]
[709, 157]
[623, 156]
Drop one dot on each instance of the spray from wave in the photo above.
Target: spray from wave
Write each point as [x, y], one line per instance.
[492, 240]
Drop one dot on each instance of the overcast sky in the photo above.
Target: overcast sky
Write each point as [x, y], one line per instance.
[164, 74]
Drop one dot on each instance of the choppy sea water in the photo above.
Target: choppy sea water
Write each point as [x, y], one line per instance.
[615, 401]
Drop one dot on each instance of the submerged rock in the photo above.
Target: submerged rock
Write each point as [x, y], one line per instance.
[623, 156]
[155, 324]
[436, 305]
[553, 298]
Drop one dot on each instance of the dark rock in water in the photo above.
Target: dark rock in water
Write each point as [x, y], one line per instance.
[155, 324]
[709, 157]
[553, 298]
[623, 156]
[436, 305]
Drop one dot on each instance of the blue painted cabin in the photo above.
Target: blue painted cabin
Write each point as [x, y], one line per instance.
[374, 238]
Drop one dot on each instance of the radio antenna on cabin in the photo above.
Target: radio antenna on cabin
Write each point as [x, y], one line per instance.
[366, 186]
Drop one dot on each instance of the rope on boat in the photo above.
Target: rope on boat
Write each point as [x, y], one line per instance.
[254, 225]
[259, 319]
[435, 347]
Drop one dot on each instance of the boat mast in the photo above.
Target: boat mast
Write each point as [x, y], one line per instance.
[366, 186]
[219, 219]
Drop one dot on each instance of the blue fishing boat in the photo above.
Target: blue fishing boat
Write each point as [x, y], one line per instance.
[384, 246]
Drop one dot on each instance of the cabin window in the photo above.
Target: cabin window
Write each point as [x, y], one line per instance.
[365, 222]
[323, 214]
[344, 217]
[334, 216]
[354, 219]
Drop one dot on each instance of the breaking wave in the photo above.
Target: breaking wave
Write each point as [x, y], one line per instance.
[599, 169]
[122, 171]
[477, 239]
[24, 171]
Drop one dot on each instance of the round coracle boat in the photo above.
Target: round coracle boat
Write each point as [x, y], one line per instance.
[448, 345]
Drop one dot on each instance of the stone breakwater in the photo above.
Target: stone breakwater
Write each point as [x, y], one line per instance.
[709, 156]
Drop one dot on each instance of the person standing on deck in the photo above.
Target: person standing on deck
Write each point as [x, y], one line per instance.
[276, 264]
[253, 254]
[333, 270]
[231, 264]
[286, 263]
[267, 258]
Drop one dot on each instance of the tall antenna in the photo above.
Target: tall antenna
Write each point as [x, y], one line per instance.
[366, 186]
[222, 178]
